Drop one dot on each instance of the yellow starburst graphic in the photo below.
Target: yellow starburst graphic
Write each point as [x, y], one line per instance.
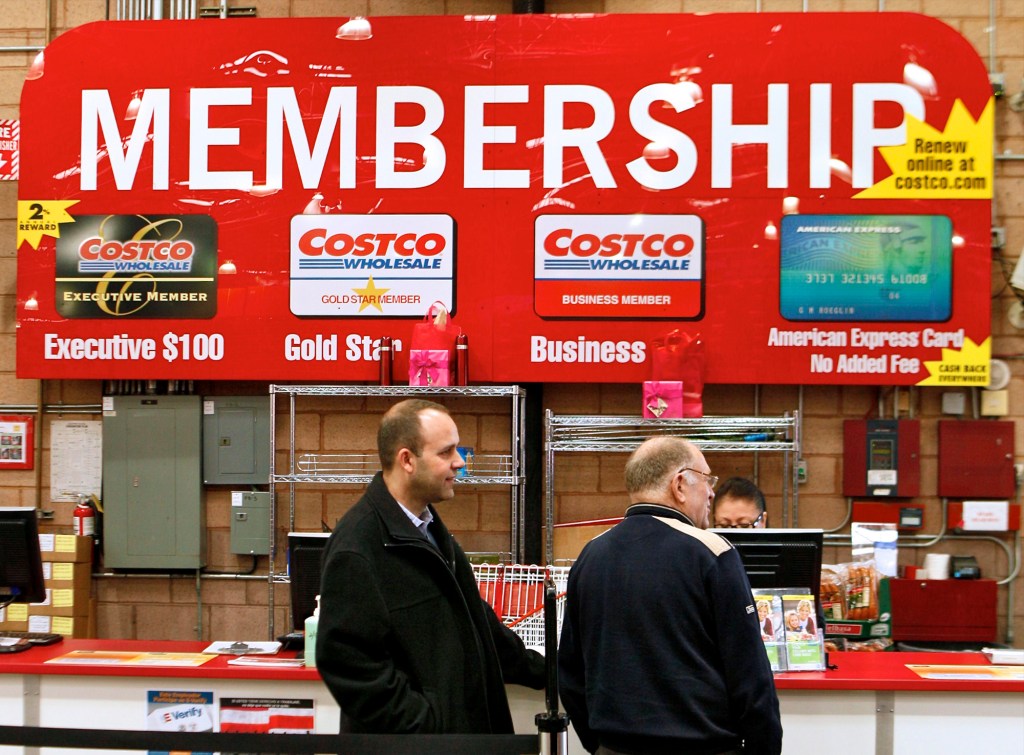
[369, 295]
[955, 163]
[42, 218]
[965, 366]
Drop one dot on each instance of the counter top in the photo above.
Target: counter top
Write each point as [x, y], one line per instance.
[34, 661]
[852, 671]
[889, 671]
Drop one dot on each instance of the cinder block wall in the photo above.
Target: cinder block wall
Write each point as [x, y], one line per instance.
[234, 604]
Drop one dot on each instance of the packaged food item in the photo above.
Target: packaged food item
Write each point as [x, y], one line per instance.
[835, 644]
[861, 587]
[873, 645]
[833, 599]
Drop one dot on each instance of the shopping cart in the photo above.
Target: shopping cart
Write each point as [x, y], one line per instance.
[516, 593]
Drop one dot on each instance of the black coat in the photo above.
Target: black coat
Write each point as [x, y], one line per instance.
[404, 642]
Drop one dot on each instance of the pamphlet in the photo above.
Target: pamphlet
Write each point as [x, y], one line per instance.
[804, 645]
[179, 710]
[266, 662]
[769, 617]
[962, 673]
[128, 658]
[266, 716]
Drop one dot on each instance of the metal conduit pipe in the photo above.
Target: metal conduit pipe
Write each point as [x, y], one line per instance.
[51, 408]
[46, 35]
[846, 519]
[183, 575]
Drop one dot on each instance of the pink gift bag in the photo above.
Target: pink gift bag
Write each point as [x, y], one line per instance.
[429, 367]
[663, 399]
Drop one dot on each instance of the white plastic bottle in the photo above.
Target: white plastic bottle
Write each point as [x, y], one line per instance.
[310, 641]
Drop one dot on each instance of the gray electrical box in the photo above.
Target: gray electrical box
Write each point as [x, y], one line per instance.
[154, 515]
[250, 523]
[236, 440]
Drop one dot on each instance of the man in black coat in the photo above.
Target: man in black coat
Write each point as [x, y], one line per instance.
[405, 643]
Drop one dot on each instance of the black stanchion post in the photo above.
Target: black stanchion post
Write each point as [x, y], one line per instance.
[553, 726]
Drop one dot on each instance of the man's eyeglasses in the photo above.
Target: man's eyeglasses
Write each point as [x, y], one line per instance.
[739, 525]
[711, 479]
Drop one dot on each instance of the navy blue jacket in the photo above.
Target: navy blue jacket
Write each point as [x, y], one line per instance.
[661, 651]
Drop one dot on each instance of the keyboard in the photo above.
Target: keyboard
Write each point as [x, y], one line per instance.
[34, 638]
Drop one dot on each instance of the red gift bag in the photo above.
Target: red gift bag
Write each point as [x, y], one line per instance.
[680, 356]
[436, 333]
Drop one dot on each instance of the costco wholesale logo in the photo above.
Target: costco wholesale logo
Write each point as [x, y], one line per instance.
[137, 267]
[619, 266]
[371, 265]
[96, 255]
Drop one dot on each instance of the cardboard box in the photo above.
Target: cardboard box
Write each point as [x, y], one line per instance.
[14, 618]
[857, 630]
[65, 575]
[80, 627]
[62, 602]
[73, 548]
[569, 538]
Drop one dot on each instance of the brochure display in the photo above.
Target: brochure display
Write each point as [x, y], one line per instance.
[789, 629]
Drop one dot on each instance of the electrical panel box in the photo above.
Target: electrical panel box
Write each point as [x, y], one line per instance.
[236, 440]
[250, 523]
[154, 515]
[882, 457]
[976, 459]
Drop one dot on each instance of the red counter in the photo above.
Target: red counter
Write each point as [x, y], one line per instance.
[869, 703]
[34, 661]
[888, 671]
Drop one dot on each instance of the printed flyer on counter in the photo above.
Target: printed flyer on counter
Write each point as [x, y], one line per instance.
[128, 658]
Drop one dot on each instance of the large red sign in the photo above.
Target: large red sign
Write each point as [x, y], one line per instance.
[810, 193]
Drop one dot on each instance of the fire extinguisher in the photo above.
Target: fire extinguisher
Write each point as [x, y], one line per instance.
[84, 517]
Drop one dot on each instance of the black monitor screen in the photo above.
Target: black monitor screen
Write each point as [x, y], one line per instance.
[305, 563]
[21, 566]
[779, 558]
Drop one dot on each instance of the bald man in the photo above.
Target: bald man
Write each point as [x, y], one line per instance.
[661, 648]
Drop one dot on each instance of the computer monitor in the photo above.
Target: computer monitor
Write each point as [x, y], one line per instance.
[21, 565]
[305, 564]
[779, 558]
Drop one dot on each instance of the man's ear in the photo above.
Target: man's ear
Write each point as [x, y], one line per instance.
[764, 518]
[405, 459]
[678, 490]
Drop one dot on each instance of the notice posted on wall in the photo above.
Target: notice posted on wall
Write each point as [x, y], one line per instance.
[179, 710]
[77, 459]
[266, 715]
[15, 442]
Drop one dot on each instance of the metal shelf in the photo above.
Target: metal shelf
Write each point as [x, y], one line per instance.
[355, 479]
[359, 468]
[616, 434]
[398, 391]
